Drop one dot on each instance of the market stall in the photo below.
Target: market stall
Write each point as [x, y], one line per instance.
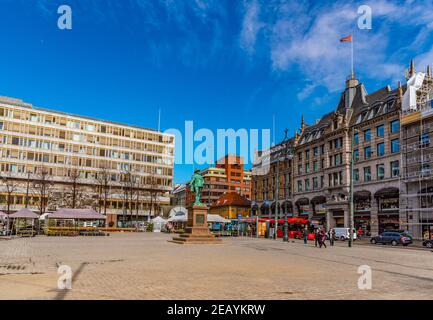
[177, 220]
[24, 223]
[158, 223]
[217, 224]
[4, 223]
[73, 222]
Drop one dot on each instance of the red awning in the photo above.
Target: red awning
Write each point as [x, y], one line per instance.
[289, 220]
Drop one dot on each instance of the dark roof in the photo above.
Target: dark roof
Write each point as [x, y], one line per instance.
[232, 199]
[364, 106]
[25, 214]
[378, 103]
[316, 131]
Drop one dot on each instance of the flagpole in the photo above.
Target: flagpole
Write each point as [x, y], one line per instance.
[351, 43]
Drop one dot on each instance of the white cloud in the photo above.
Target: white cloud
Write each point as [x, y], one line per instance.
[305, 37]
[306, 91]
[251, 25]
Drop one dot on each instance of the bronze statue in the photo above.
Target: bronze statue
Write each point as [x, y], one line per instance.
[196, 184]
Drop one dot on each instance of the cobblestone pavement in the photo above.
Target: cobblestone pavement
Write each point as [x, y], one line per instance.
[147, 266]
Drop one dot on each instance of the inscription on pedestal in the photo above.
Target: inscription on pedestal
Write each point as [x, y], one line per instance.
[199, 219]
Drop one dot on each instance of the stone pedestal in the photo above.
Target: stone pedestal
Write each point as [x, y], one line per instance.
[197, 231]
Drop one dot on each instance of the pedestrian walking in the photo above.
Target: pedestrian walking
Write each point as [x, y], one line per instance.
[360, 233]
[316, 237]
[331, 235]
[305, 234]
[323, 238]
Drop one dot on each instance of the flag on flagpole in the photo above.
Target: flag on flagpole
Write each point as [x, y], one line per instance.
[349, 38]
[346, 39]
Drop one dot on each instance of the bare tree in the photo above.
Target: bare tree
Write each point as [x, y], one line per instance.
[103, 179]
[10, 186]
[137, 197]
[75, 197]
[74, 177]
[126, 180]
[42, 187]
[153, 192]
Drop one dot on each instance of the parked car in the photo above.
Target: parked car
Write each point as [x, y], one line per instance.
[394, 238]
[344, 234]
[428, 243]
[402, 232]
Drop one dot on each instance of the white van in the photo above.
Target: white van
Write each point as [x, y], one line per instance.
[344, 234]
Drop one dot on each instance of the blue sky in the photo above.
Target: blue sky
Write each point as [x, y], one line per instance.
[221, 63]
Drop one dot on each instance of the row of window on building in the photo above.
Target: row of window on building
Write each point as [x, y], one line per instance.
[336, 178]
[81, 125]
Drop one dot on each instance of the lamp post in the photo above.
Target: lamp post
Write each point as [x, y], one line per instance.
[27, 189]
[351, 204]
[286, 223]
[284, 144]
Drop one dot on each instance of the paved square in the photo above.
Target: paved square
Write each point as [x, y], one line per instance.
[147, 266]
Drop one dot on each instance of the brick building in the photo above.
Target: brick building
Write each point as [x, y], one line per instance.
[227, 176]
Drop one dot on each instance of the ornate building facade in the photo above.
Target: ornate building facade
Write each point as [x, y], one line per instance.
[367, 127]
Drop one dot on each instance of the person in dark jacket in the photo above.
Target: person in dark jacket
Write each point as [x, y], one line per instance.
[305, 235]
[316, 237]
[322, 235]
[331, 235]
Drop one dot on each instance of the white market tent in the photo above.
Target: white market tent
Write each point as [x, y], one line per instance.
[180, 218]
[44, 216]
[159, 220]
[215, 218]
[158, 223]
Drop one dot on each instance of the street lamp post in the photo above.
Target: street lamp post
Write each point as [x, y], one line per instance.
[351, 204]
[286, 224]
[27, 189]
[277, 193]
[277, 196]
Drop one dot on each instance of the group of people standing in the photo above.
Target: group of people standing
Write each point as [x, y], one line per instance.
[320, 236]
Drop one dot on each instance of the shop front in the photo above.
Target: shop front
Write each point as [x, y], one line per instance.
[303, 206]
[319, 211]
[338, 216]
[426, 213]
[388, 213]
[362, 215]
[427, 229]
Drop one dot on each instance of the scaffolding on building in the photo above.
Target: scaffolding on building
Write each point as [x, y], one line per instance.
[416, 178]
